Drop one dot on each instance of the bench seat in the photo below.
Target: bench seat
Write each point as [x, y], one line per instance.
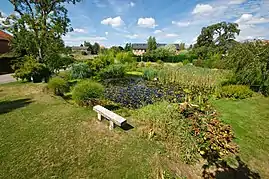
[111, 116]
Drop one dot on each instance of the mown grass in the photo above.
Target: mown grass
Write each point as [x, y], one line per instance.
[43, 136]
[249, 119]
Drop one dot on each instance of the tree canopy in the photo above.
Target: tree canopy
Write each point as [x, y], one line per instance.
[217, 37]
[152, 44]
[128, 47]
[36, 25]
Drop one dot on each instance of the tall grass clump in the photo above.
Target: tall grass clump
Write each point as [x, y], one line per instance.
[162, 121]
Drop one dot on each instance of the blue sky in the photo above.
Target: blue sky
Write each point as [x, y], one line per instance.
[116, 22]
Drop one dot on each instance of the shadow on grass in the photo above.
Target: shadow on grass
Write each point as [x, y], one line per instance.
[241, 172]
[127, 126]
[8, 106]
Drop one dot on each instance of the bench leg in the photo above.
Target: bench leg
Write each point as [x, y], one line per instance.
[111, 125]
[99, 117]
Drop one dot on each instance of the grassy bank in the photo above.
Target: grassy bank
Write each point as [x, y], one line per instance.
[43, 136]
[249, 119]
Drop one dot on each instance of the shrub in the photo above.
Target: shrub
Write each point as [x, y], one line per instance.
[214, 139]
[160, 62]
[79, 71]
[31, 69]
[249, 61]
[234, 91]
[185, 62]
[58, 85]
[150, 73]
[65, 75]
[84, 53]
[100, 62]
[87, 90]
[113, 71]
[125, 57]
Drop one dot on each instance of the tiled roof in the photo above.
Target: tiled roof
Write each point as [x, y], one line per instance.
[144, 46]
[4, 35]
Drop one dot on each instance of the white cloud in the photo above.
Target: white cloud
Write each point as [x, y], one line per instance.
[181, 24]
[252, 32]
[147, 22]
[237, 1]
[134, 36]
[132, 4]
[79, 30]
[158, 31]
[171, 35]
[250, 19]
[203, 9]
[106, 33]
[114, 22]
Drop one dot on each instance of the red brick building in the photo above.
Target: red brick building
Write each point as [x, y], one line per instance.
[4, 42]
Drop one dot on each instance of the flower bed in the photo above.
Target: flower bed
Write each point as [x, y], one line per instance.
[135, 93]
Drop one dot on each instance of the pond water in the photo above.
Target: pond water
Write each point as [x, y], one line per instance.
[136, 92]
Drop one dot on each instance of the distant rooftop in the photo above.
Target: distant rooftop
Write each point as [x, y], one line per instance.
[4, 35]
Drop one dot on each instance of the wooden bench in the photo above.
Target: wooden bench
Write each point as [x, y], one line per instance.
[111, 116]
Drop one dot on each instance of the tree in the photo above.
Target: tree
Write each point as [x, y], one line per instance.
[45, 21]
[219, 37]
[89, 45]
[182, 46]
[121, 48]
[95, 48]
[250, 64]
[152, 45]
[128, 47]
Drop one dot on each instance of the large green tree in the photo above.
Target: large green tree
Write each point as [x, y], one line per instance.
[95, 48]
[89, 45]
[37, 26]
[128, 47]
[152, 44]
[217, 37]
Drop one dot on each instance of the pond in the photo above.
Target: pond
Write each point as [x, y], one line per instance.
[136, 92]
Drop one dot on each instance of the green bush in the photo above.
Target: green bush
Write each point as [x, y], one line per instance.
[250, 63]
[185, 62]
[65, 75]
[234, 91]
[113, 71]
[84, 53]
[80, 71]
[160, 62]
[58, 85]
[87, 90]
[125, 57]
[30, 70]
[150, 73]
[100, 62]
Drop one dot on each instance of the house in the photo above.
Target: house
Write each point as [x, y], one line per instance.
[140, 48]
[4, 42]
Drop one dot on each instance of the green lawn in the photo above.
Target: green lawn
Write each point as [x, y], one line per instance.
[250, 121]
[43, 136]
